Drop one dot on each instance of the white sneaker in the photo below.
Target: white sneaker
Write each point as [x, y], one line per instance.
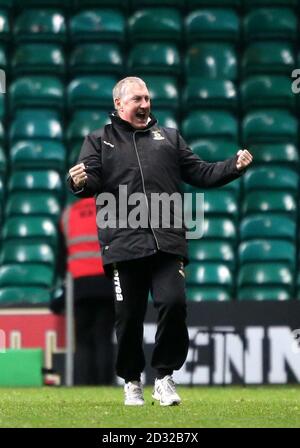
[165, 391]
[134, 394]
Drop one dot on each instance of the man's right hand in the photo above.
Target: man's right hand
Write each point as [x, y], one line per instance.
[78, 175]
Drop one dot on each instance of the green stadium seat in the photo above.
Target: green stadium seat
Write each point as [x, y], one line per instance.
[272, 3]
[176, 3]
[74, 154]
[1, 191]
[4, 25]
[91, 91]
[30, 229]
[6, 4]
[298, 286]
[2, 105]
[3, 162]
[216, 203]
[210, 124]
[268, 58]
[213, 228]
[263, 293]
[70, 198]
[18, 252]
[211, 60]
[193, 4]
[155, 24]
[29, 274]
[163, 91]
[66, 4]
[283, 154]
[268, 226]
[36, 124]
[270, 125]
[266, 274]
[209, 275]
[270, 23]
[40, 25]
[216, 251]
[3, 58]
[83, 122]
[2, 195]
[36, 91]
[105, 57]
[97, 25]
[38, 58]
[213, 150]
[150, 57]
[264, 250]
[234, 187]
[204, 93]
[271, 177]
[36, 181]
[166, 118]
[26, 154]
[120, 4]
[267, 91]
[220, 229]
[270, 202]
[25, 295]
[33, 204]
[219, 24]
[2, 133]
[208, 294]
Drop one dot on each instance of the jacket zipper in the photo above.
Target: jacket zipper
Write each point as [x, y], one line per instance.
[143, 183]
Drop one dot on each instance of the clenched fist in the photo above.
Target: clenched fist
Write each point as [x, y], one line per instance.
[244, 159]
[78, 175]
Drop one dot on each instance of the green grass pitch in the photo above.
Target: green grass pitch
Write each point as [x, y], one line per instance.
[102, 407]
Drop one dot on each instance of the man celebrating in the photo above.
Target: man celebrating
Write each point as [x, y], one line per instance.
[134, 151]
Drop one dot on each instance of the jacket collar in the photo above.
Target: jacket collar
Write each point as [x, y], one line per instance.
[117, 121]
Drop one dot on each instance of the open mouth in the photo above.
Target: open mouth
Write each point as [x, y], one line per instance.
[141, 115]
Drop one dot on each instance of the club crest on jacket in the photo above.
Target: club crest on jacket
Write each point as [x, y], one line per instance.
[157, 135]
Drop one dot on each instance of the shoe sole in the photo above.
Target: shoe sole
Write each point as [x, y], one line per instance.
[172, 403]
[134, 404]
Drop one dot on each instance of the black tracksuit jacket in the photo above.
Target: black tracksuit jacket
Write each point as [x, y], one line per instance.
[152, 160]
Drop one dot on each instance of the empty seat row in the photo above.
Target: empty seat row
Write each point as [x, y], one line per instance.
[259, 91]
[214, 281]
[44, 153]
[45, 197]
[264, 125]
[133, 4]
[23, 284]
[213, 150]
[213, 60]
[259, 127]
[250, 251]
[155, 23]
[18, 246]
[275, 226]
[260, 226]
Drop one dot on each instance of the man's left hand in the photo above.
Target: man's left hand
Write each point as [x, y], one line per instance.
[244, 159]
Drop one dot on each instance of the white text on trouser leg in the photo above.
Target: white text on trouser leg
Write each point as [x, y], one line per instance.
[117, 286]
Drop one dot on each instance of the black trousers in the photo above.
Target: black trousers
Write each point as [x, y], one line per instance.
[163, 275]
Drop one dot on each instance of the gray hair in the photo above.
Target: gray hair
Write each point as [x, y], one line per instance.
[120, 88]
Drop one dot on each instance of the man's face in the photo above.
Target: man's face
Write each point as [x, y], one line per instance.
[134, 106]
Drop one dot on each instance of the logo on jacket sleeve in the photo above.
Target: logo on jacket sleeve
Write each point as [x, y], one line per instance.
[108, 144]
[157, 135]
